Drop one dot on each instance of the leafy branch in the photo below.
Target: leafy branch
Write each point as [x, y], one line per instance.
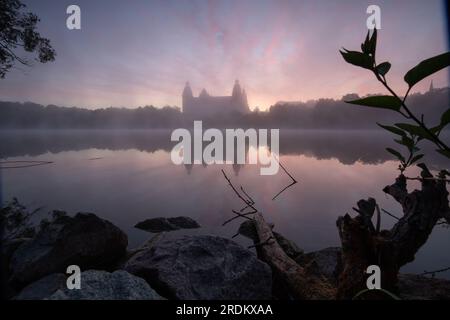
[410, 133]
[410, 141]
[18, 29]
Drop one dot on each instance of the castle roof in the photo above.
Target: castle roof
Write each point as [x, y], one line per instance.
[204, 93]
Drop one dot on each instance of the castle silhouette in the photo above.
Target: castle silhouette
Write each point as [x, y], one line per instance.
[205, 105]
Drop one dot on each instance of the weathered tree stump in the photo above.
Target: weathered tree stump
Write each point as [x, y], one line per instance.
[364, 245]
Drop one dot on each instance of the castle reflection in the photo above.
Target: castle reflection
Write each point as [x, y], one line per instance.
[348, 147]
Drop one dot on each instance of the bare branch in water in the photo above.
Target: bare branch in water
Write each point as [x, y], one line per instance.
[245, 198]
[239, 215]
[248, 200]
[290, 176]
[248, 197]
[433, 273]
[22, 164]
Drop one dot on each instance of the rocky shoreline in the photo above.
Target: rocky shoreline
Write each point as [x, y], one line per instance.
[200, 267]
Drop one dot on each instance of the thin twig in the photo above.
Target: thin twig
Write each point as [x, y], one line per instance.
[427, 178]
[246, 194]
[260, 244]
[248, 197]
[290, 176]
[243, 215]
[390, 214]
[244, 208]
[249, 202]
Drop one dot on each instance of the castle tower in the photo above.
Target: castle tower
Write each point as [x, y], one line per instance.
[187, 97]
[236, 91]
[238, 98]
[244, 100]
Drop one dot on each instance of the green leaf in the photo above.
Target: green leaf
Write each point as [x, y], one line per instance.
[392, 129]
[416, 158]
[383, 68]
[426, 68]
[373, 42]
[384, 102]
[445, 118]
[358, 59]
[396, 153]
[407, 142]
[365, 45]
[415, 130]
[436, 129]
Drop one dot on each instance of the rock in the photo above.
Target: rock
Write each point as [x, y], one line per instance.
[144, 246]
[7, 249]
[247, 229]
[95, 285]
[202, 267]
[102, 285]
[167, 224]
[326, 262]
[84, 240]
[43, 288]
[416, 287]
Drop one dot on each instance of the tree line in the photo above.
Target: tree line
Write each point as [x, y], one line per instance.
[319, 114]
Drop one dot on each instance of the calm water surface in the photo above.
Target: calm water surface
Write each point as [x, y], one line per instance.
[126, 177]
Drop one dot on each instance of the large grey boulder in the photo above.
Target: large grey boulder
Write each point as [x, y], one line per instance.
[84, 240]
[102, 285]
[202, 267]
[43, 288]
[167, 224]
[95, 285]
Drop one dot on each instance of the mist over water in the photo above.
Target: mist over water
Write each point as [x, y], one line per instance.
[127, 176]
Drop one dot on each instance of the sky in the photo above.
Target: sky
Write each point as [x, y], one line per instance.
[137, 53]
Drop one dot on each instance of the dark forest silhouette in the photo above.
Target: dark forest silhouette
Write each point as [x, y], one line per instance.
[319, 114]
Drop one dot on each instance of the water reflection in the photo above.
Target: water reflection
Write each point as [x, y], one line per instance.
[127, 177]
[347, 146]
